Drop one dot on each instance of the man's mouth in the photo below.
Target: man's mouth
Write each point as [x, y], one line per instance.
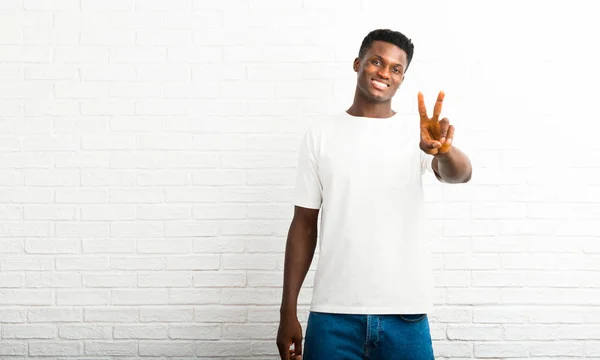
[379, 85]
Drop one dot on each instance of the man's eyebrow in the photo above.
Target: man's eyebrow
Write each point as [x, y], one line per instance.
[380, 57]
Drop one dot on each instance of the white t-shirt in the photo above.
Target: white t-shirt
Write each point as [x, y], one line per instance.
[365, 174]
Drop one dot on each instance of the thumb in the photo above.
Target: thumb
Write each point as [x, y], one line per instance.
[427, 144]
[298, 348]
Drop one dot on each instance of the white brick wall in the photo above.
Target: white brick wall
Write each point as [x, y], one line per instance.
[148, 149]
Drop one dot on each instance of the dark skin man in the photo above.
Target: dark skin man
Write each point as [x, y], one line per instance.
[379, 74]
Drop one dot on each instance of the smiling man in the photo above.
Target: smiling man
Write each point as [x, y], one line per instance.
[363, 169]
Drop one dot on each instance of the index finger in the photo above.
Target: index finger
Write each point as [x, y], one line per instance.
[284, 352]
[422, 108]
[437, 110]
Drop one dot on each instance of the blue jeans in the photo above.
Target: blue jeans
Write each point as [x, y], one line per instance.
[374, 337]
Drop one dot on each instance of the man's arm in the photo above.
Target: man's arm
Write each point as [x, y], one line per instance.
[452, 167]
[299, 252]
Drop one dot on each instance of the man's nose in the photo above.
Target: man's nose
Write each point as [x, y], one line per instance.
[384, 73]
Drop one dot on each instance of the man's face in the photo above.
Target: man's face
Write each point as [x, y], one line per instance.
[381, 71]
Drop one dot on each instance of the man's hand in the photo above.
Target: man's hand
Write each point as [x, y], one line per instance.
[289, 332]
[436, 135]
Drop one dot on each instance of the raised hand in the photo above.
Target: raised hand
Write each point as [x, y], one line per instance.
[436, 135]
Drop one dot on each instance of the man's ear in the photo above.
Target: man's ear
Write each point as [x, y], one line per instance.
[356, 64]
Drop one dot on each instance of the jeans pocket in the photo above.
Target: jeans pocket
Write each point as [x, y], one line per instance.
[413, 318]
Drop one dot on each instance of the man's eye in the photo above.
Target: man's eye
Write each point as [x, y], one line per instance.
[376, 62]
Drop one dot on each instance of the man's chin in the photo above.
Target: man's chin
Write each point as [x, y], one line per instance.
[379, 97]
[376, 96]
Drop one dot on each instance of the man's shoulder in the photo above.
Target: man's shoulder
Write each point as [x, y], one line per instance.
[319, 126]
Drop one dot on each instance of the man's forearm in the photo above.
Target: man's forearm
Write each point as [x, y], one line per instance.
[453, 167]
[299, 252]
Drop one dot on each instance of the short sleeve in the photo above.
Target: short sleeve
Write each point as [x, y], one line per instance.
[308, 191]
[426, 163]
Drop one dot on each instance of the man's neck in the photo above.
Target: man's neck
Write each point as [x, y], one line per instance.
[371, 112]
[364, 108]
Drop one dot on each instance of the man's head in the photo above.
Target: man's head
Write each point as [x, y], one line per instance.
[382, 61]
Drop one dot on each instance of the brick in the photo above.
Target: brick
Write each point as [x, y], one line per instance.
[106, 107]
[266, 245]
[55, 348]
[13, 316]
[451, 314]
[165, 246]
[105, 246]
[166, 314]
[54, 314]
[475, 332]
[219, 279]
[137, 263]
[82, 297]
[471, 262]
[112, 142]
[135, 196]
[502, 350]
[82, 196]
[166, 348]
[220, 211]
[140, 332]
[135, 90]
[139, 297]
[53, 280]
[82, 263]
[472, 296]
[77, 332]
[137, 54]
[194, 296]
[223, 348]
[135, 229]
[163, 212]
[271, 177]
[221, 314]
[52, 178]
[558, 348]
[265, 314]
[9, 348]
[448, 278]
[42, 212]
[195, 262]
[250, 261]
[28, 331]
[148, 178]
[108, 5]
[251, 296]
[192, 229]
[169, 279]
[219, 177]
[109, 280]
[109, 37]
[30, 263]
[111, 348]
[111, 315]
[196, 332]
[164, 38]
[108, 212]
[454, 349]
[218, 245]
[74, 54]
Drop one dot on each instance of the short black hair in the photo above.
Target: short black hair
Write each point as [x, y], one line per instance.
[393, 37]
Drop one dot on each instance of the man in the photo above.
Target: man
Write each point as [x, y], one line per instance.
[373, 285]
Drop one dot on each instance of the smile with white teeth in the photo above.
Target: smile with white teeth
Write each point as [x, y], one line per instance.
[379, 85]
